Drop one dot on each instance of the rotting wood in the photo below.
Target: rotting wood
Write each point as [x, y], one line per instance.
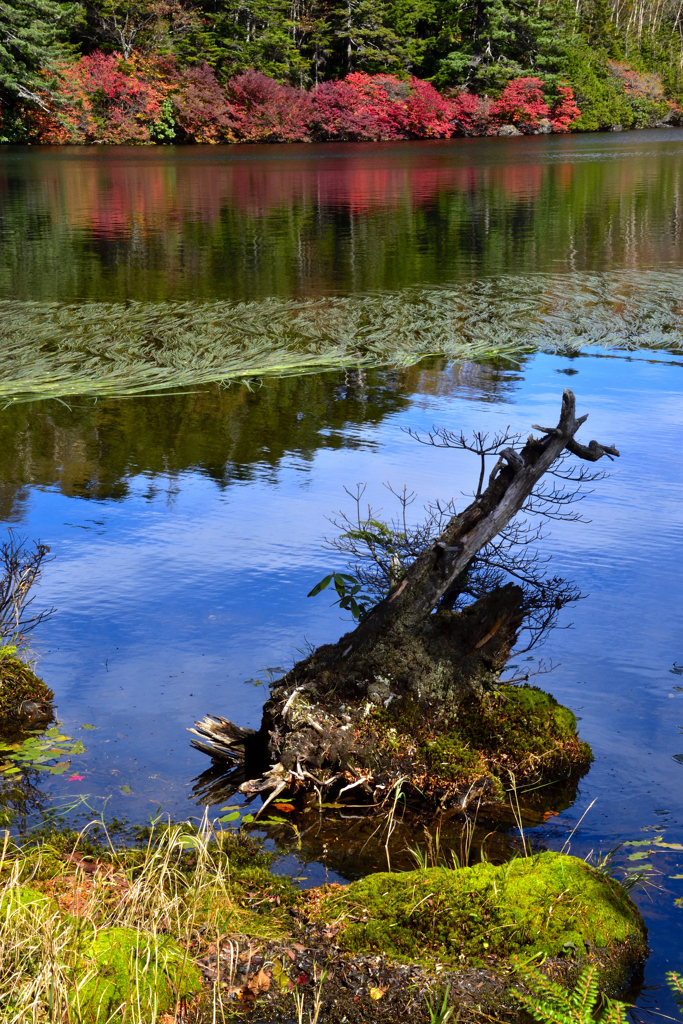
[377, 704]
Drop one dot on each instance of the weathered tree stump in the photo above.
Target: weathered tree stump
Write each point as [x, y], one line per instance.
[413, 694]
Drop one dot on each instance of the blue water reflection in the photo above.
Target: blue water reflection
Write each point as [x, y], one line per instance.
[181, 585]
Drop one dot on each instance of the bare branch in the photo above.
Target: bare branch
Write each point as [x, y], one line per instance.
[21, 568]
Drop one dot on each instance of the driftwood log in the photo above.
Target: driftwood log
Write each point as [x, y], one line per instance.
[412, 694]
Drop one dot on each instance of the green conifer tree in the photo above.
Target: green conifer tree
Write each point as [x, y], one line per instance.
[31, 33]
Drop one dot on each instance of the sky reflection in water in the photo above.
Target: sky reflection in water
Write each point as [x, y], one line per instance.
[183, 559]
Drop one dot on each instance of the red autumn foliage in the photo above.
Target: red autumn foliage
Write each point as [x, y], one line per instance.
[426, 114]
[565, 110]
[344, 113]
[648, 87]
[106, 99]
[377, 108]
[262, 110]
[471, 115]
[521, 104]
[201, 108]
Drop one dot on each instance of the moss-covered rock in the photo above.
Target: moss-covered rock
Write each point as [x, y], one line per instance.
[548, 904]
[23, 905]
[24, 697]
[123, 967]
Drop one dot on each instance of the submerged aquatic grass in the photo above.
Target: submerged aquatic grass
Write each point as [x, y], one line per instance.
[97, 349]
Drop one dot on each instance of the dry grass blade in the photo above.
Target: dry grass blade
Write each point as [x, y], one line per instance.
[65, 921]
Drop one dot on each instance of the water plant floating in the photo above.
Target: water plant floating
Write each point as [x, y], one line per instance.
[101, 349]
[413, 694]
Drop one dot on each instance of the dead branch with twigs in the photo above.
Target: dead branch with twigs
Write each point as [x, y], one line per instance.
[21, 569]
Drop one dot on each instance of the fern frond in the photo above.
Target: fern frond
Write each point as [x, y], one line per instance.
[585, 995]
[550, 1003]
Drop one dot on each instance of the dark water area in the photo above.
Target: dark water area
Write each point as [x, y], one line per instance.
[188, 528]
[249, 222]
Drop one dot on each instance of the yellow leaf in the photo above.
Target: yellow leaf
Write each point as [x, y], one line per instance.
[377, 993]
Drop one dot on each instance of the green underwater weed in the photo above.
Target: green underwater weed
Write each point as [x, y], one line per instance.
[100, 349]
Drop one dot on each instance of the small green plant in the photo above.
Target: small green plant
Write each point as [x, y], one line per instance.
[42, 751]
[550, 1003]
[676, 985]
[439, 1012]
[349, 591]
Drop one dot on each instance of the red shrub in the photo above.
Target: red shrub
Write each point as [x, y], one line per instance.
[105, 99]
[376, 108]
[521, 104]
[201, 108]
[565, 110]
[262, 110]
[471, 115]
[344, 112]
[648, 87]
[426, 113]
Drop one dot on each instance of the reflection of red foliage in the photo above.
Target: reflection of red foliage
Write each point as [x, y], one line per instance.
[200, 107]
[106, 99]
[522, 104]
[565, 110]
[265, 111]
[377, 108]
[471, 115]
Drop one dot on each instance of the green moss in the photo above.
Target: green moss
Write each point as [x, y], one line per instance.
[550, 904]
[452, 759]
[520, 729]
[22, 904]
[146, 974]
[18, 684]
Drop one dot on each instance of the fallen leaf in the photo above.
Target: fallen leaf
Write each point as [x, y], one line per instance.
[284, 807]
[260, 982]
[377, 993]
[126, 789]
[550, 814]
[76, 778]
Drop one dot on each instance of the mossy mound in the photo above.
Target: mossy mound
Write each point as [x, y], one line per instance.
[522, 729]
[477, 745]
[548, 904]
[122, 966]
[20, 686]
[23, 905]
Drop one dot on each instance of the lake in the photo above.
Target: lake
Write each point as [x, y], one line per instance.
[188, 525]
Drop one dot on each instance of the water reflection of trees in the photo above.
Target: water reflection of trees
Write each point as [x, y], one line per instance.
[172, 225]
[92, 450]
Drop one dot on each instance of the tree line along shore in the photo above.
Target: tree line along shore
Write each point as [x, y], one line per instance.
[218, 71]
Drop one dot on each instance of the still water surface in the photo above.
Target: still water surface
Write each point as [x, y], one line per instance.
[188, 528]
[252, 222]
